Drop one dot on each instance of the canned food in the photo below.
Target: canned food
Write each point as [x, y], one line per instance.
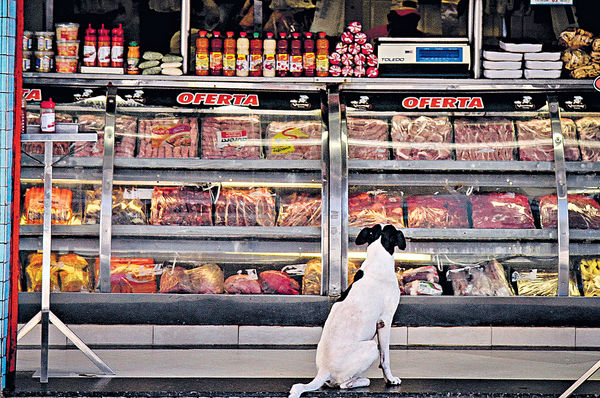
[27, 60]
[44, 61]
[44, 40]
[66, 64]
[67, 31]
[27, 40]
[67, 48]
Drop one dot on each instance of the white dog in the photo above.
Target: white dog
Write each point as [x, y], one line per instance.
[364, 311]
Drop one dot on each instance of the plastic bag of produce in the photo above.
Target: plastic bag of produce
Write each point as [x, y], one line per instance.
[34, 273]
[300, 210]
[311, 281]
[590, 275]
[369, 208]
[245, 207]
[242, 284]
[181, 206]
[501, 210]
[534, 283]
[437, 211]
[278, 282]
[584, 212]
[74, 276]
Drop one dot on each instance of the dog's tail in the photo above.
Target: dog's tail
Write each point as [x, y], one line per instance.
[318, 382]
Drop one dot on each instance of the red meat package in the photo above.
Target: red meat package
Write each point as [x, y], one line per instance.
[245, 208]
[181, 206]
[367, 139]
[369, 208]
[484, 139]
[535, 140]
[501, 210]
[242, 284]
[437, 211]
[589, 138]
[130, 275]
[584, 212]
[168, 138]
[421, 138]
[125, 134]
[300, 210]
[231, 137]
[278, 282]
[294, 140]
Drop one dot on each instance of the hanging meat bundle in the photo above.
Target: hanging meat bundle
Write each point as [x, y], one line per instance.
[421, 138]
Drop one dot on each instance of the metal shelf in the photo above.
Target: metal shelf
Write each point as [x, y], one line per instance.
[449, 165]
[481, 248]
[463, 234]
[61, 230]
[219, 164]
[583, 167]
[69, 161]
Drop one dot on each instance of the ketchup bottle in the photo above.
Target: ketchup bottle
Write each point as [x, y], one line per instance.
[202, 62]
[116, 52]
[216, 54]
[322, 55]
[256, 55]
[308, 59]
[229, 56]
[296, 56]
[103, 47]
[270, 47]
[283, 57]
[89, 47]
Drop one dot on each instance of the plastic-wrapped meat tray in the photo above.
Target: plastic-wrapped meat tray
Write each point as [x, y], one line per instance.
[168, 138]
[181, 206]
[369, 208]
[421, 138]
[531, 132]
[501, 210]
[294, 140]
[125, 136]
[231, 137]
[589, 138]
[300, 210]
[437, 211]
[584, 212]
[484, 139]
[245, 208]
[367, 139]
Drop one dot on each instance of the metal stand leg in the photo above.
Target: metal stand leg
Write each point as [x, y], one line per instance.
[44, 347]
[581, 380]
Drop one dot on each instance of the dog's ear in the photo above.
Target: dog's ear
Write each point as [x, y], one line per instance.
[401, 240]
[391, 238]
[368, 235]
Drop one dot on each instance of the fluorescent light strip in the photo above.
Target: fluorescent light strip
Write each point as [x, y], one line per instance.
[397, 256]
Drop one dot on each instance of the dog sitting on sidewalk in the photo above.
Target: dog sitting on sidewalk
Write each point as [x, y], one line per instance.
[348, 346]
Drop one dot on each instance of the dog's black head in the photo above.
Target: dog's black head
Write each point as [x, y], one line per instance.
[390, 237]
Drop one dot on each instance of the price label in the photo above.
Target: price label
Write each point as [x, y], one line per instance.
[552, 2]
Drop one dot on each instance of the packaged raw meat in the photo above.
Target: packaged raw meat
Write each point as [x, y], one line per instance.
[589, 138]
[207, 279]
[181, 206]
[535, 140]
[484, 139]
[501, 210]
[369, 208]
[487, 279]
[242, 284]
[34, 273]
[590, 275]
[311, 281]
[437, 211]
[245, 207]
[427, 273]
[126, 211]
[584, 212]
[536, 283]
[231, 137]
[367, 139]
[300, 210]
[131, 275]
[278, 282]
[73, 272]
[125, 136]
[175, 280]
[294, 140]
[422, 288]
[62, 211]
[421, 138]
[168, 138]
[37, 148]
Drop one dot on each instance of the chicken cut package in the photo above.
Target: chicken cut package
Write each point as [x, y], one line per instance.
[311, 281]
[584, 212]
[62, 210]
[487, 279]
[278, 282]
[125, 211]
[589, 138]
[484, 139]
[130, 275]
[168, 137]
[181, 206]
[437, 211]
[125, 135]
[367, 139]
[421, 138]
[369, 208]
[535, 140]
[33, 271]
[242, 284]
[37, 148]
[245, 207]
[300, 210]
[73, 272]
[294, 140]
[206, 279]
[231, 137]
[501, 210]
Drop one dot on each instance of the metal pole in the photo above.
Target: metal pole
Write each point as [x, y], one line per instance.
[477, 37]
[185, 33]
[581, 380]
[46, 258]
[325, 177]
[470, 17]
[49, 15]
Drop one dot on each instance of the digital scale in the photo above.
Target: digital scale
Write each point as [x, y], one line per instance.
[424, 56]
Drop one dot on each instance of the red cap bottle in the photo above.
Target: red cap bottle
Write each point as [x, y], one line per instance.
[256, 57]
[296, 57]
[216, 54]
[283, 57]
[103, 47]
[89, 47]
[116, 52]
[308, 59]
[47, 116]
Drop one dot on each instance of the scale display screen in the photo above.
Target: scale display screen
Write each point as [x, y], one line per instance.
[439, 54]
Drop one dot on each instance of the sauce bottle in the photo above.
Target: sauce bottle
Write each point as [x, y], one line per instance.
[48, 116]
[103, 47]
[202, 61]
[229, 55]
[322, 55]
[283, 57]
[133, 58]
[296, 56]
[256, 55]
[308, 59]
[89, 47]
[216, 54]
[116, 52]
[242, 65]
[270, 46]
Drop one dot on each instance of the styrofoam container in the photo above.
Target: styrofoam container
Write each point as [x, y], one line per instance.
[542, 74]
[502, 64]
[503, 74]
[543, 65]
[502, 56]
[521, 47]
[545, 56]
